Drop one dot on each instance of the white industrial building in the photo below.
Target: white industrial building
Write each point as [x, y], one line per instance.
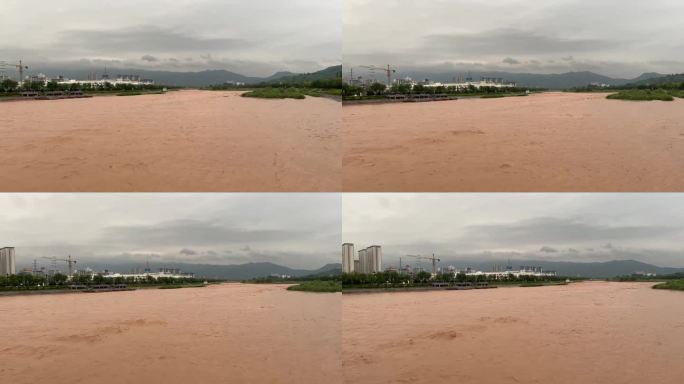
[484, 82]
[119, 80]
[154, 275]
[521, 272]
[8, 264]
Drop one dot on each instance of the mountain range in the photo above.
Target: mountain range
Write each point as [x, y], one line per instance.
[669, 79]
[605, 269]
[194, 79]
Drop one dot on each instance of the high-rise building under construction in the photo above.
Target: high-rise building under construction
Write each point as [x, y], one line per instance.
[348, 258]
[368, 260]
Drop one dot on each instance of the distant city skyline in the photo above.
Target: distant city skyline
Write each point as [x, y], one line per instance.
[495, 227]
[254, 38]
[616, 38]
[293, 230]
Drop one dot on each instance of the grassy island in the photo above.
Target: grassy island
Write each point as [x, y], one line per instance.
[328, 286]
[281, 93]
[677, 285]
[645, 95]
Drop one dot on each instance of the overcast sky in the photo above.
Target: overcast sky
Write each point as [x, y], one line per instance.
[553, 227]
[619, 38]
[255, 37]
[295, 230]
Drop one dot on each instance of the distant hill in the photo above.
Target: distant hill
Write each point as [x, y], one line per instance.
[190, 79]
[535, 80]
[229, 272]
[659, 80]
[328, 270]
[328, 73]
[593, 270]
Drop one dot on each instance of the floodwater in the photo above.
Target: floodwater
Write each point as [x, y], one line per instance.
[594, 332]
[543, 142]
[181, 141]
[231, 333]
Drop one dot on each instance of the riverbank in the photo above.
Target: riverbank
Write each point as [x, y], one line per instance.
[66, 290]
[347, 290]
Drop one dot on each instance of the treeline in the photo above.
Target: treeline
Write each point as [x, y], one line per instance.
[29, 281]
[393, 279]
[378, 89]
[627, 87]
[280, 280]
[8, 86]
[640, 277]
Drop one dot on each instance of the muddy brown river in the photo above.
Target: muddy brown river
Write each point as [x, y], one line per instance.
[230, 333]
[181, 141]
[544, 142]
[594, 332]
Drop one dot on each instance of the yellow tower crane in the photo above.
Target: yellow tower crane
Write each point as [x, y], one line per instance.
[388, 71]
[70, 262]
[433, 259]
[19, 66]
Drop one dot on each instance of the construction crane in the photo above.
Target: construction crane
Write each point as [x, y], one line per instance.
[19, 66]
[388, 71]
[433, 259]
[70, 262]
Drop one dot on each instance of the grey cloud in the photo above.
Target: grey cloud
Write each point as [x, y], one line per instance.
[260, 31]
[183, 227]
[567, 227]
[147, 39]
[511, 61]
[467, 31]
[513, 41]
[561, 231]
[192, 232]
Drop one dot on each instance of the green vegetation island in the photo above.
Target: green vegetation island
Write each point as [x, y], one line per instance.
[287, 89]
[665, 88]
[326, 283]
[677, 285]
[674, 281]
[326, 286]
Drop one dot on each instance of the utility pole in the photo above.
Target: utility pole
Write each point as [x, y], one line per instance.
[389, 76]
